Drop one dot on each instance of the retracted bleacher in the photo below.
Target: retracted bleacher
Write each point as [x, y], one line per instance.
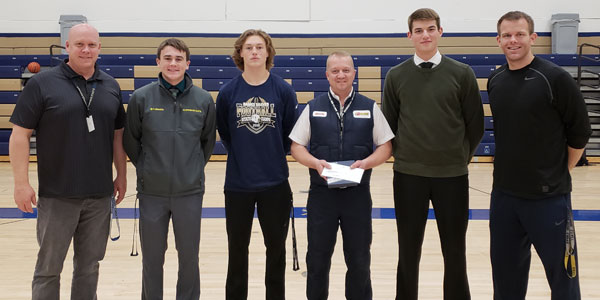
[306, 74]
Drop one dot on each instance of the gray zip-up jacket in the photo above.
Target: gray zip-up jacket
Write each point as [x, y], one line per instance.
[168, 139]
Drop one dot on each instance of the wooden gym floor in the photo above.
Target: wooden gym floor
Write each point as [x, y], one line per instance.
[120, 273]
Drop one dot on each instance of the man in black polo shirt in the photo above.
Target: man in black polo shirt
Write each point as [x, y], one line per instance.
[77, 113]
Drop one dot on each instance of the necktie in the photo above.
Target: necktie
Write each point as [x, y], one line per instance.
[426, 65]
[174, 92]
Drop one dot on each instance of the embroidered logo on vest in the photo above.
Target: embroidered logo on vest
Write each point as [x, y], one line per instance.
[256, 114]
[319, 114]
[362, 114]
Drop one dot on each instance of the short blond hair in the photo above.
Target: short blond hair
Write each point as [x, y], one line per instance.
[339, 53]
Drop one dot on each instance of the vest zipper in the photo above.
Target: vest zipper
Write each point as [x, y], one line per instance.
[341, 135]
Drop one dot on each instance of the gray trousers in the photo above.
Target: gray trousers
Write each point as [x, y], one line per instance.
[155, 213]
[87, 222]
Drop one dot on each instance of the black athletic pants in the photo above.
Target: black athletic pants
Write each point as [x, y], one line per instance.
[516, 224]
[273, 208]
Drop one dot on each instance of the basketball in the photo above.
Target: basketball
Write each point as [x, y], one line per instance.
[33, 67]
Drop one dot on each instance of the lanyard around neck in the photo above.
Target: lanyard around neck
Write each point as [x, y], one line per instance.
[87, 104]
[340, 113]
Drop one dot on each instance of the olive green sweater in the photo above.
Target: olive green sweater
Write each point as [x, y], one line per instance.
[436, 115]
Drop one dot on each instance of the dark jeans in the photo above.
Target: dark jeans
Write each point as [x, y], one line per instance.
[516, 224]
[450, 199]
[86, 222]
[155, 214]
[349, 209]
[273, 208]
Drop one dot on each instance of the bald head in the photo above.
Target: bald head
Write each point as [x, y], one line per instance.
[83, 46]
[83, 28]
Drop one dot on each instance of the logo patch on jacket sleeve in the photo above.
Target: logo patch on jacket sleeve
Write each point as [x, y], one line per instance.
[362, 114]
[319, 114]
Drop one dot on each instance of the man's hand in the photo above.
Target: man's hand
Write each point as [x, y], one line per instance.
[120, 187]
[573, 157]
[379, 156]
[25, 198]
[360, 164]
[19, 159]
[319, 165]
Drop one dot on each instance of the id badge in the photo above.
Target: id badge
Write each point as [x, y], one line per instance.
[90, 123]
